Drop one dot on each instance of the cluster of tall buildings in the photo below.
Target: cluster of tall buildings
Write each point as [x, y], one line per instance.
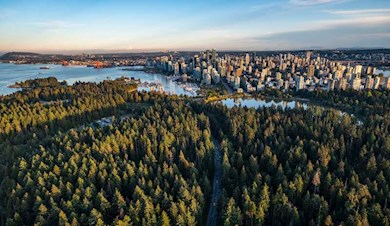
[252, 73]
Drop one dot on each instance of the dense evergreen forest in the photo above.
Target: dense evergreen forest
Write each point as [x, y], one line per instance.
[39, 82]
[153, 163]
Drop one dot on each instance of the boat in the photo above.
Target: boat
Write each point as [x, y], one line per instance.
[44, 67]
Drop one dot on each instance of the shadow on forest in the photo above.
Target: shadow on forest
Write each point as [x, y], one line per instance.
[15, 144]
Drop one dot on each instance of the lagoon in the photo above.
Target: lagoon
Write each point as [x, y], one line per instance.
[256, 103]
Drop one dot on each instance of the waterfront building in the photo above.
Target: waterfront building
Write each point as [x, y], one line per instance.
[377, 82]
[216, 78]
[184, 77]
[386, 84]
[369, 83]
[207, 79]
[274, 71]
[236, 82]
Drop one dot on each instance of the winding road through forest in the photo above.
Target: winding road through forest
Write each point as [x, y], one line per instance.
[217, 187]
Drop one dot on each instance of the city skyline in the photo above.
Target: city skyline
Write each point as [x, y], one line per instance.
[98, 26]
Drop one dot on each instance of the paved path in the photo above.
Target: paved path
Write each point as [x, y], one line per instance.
[217, 188]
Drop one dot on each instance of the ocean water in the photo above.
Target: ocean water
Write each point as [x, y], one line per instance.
[12, 73]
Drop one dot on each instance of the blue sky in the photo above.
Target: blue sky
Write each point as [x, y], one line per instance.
[82, 26]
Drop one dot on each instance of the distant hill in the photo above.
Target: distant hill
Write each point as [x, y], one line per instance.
[18, 55]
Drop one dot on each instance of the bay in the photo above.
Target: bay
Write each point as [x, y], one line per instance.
[12, 73]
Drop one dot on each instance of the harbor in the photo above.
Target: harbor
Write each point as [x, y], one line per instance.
[12, 73]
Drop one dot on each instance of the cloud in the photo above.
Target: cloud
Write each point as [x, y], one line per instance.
[356, 22]
[264, 6]
[313, 2]
[353, 21]
[357, 12]
[378, 35]
[352, 30]
[57, 24]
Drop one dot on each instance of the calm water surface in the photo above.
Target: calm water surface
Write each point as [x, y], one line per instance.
[385, 73]
[256, 103]
[11, 73]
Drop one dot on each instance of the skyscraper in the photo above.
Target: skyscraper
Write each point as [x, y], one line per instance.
[377, 82]
[369, 70]
[308, 55]
[386, 84]
[331, 84]
[247, 59]
[342, 84]
[310, 72]
[300, 84]
[356, 83]
[214, 55]
[358, 69]
[369, 83]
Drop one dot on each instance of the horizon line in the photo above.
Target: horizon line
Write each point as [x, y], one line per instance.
[113, 51]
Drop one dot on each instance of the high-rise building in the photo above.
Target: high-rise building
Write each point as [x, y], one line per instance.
[280, 83]
[356, 83]
[386, 84]
[184, 77]
[207, 55]
[250, 69]
[308, 56]
[278, 75]
[374, 70]
[238, 72]
[300, 84]
[342, 84]
[369, 83]
[207, 79]
[216, 78]
[369, 70]
[247, 59]
[214, 55]
[177, 68]
[197, 73]
[377, 82]
[310, 72]
[254, 57]
[286, 85]
[358, 69]
[338, 74]
[331, 84]
[236, 82]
